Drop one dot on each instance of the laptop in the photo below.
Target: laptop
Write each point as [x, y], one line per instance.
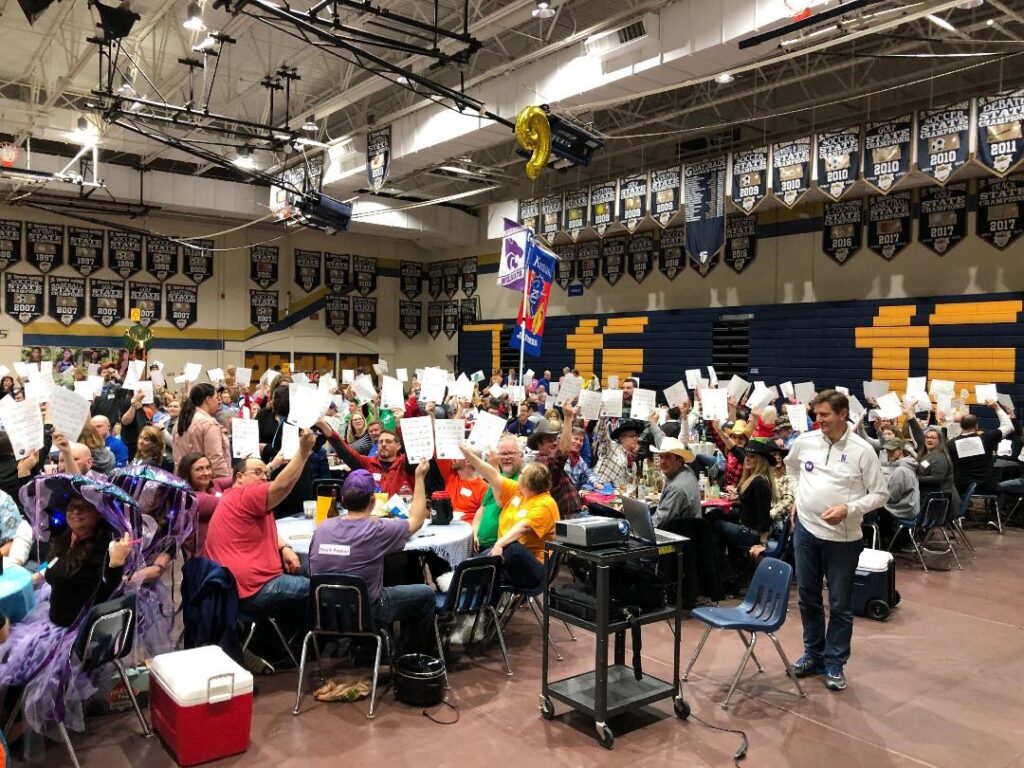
[639, 516]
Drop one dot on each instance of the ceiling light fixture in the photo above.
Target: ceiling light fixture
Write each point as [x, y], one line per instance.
[310, 128]
[543, 10]
[724, 78]
[244, 159]
[938, 21]
[970, 5]
[33, 9]
[84, 133]
[194, 18]
[402, 80]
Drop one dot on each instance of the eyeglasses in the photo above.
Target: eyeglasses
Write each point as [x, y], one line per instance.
[257, 472]
[508, 454]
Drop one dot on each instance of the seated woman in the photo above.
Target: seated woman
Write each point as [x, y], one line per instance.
[754, 496]
[195, 470]
[15, 533]
[150, 449]
[527, 520]
[934, 465]
[103, 460]
[357, 434]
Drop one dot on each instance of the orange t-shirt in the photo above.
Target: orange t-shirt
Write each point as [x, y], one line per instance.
[466, 495]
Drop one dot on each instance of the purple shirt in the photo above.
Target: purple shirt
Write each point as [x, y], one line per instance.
[357, 546]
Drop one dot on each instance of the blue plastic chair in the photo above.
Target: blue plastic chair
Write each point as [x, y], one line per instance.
[933, 516]
[763, 610]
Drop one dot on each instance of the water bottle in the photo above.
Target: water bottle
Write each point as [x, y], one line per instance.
[716, 492]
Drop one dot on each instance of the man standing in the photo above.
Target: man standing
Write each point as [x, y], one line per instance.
[838, 479]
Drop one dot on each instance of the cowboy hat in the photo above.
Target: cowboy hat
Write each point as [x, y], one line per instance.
[543, 429]
[739, 428]
[628, 425]
[675, 446]
[758, 447]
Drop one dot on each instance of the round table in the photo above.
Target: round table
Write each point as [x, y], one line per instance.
[453, 542]
[16, 595]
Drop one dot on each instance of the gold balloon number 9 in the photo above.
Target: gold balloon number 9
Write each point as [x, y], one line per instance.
[533, 132]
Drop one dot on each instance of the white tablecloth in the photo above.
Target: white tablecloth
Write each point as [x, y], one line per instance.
[453, 542]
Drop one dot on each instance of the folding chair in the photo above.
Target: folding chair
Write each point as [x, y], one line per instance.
[763, 610]
[252, 621]
[933, 515]
[956, 522]
[530, 598]
[339, 606]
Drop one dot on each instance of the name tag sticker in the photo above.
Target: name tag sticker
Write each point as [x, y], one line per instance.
[376, 476]
[338, 550]
[467, 492]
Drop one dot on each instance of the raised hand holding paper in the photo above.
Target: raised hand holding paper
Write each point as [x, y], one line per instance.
[487, 430]
[804, 391]
[797, 415]
[611, 403]
[215, 375]
[243, 376]
[590, 405]
[889, 406]
[245, 438]
[985, 392]
[418, 439]
[875, 389]
[644, 401]
[289, 440]
[192, 371]
[737, 387]
[714, 404]
[402, 374]
[391, 394]
[24, 425]
[435, 381]
[448, 434]
[364, 388]
[569, 390]
[68, 412]
[677, 394]
[693, 378]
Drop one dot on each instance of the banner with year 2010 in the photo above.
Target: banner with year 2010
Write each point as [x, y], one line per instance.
[887, 152]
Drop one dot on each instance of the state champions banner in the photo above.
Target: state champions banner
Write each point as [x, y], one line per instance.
[540, 274]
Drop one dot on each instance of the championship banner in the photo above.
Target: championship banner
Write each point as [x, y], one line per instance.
[704, 196]
[671, 252]
[10, 242]
[336, 276]
[511, 266]
[23, 296]
[435, 312]
[148, 299]
[85, 247]
[182, 305]
[364, 273]
[613, 258]
[529, 328]
[263, 265]
[887, 152]
[838, 156]
[577, 206]
[378, 158]
[641, 255]
[469, 311]
[529, 213]
[307, 269]
[124, 253]
[411, 279]
[565, 270]
[161, 258]
[943, 140]
[451, 318]
[197, 260]
[1000, 145]
[106, 301]
[740, 241]
[550, 216]
[435, 279]
[469, 273]
[1000, 219]
[602, 206]
[632, 200]
[450, 271]
[67, 297]
[666, 191]
[263, 309]
[841, 234]
[750, 178]
[364, 314]
[45, 245]
[791, 170]
[942, 224]
[336, 312]
[588, 261]
[889, 224]
[410, 318]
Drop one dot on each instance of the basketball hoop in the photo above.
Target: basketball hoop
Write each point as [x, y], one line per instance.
[802, 9]
[8, 154]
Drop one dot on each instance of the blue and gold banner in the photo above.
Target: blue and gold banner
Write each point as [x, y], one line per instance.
[887, 152]
[942, 224]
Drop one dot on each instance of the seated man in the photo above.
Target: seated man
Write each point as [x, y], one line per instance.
[680, 497]
[521, 425]
[464, 486]
[114, 443]
[243, 536]
[509, 461]
[576, 466]
[904, 490]
[357, 544]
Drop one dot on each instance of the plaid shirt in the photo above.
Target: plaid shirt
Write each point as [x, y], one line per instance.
[563, 490]
[581, 473]
[613, 465]
[733, 463]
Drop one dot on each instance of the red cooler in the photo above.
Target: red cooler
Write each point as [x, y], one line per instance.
[201, 704]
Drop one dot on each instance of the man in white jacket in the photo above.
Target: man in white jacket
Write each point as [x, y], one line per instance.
[838, 479]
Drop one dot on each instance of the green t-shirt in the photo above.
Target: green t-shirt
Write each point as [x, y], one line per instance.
[490, 511]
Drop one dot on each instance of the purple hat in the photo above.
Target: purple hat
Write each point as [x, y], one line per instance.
[360, 481]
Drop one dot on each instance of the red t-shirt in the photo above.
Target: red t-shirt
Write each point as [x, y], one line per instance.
[243, 538]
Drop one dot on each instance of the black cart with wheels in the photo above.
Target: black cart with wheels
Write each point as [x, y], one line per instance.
[613, 689]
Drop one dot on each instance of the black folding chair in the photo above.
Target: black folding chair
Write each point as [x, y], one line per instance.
[339, 606]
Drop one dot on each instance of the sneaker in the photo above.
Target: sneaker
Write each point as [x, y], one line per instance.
[835, 680]
[256, 664]
[806, 666]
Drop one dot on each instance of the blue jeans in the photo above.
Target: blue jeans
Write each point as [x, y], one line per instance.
[522, 570]
[836, 562]
[413, 606]
[281, 593]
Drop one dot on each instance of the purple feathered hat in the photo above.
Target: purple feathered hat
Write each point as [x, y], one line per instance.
[164, 497]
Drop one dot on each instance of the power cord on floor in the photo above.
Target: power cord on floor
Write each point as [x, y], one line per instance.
[741, 752]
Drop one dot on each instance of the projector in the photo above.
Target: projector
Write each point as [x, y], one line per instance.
[592, 532]
[325, 213]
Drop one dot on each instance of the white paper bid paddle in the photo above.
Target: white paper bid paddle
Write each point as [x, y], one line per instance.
[787, 390]
[643, 404]
[693, 378]
[487, 430]
[304, 406]
[714, 404]
[966, 447]
[391, 393]
[364, 388]
[590, 405]
[68, 412]
[448, 433]
[804, 391]
[569, 390]
[245, 438]
[737, 387]
[676, 394]
[985, 392]
[24, 425]
[435, 381]
[418, 439]
[192, 371]
[289, 440]
[797, 415]
[243, 376]
[889, 406]
[611, 403]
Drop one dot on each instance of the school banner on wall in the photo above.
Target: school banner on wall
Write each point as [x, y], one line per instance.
[671, 252]
[740, 241]
[336, 267]
[565, 269]
[263, 265]
[67, 298]
[791, 170]
[435, 279]
[838, 156]
[336, 313]
[469, 311]
[632, 200]
[263, 309]
[45, 245]
[1000, 144]
[182, 305]
[666, 188]
[942, 224]
[841, 235]
[1000, 219]
[529, 213]
[364, 273]
[750, 178]
[943, 140]
[588, 262]
[641, 256]
[197, 260]
[410, 318]
[378, 158]
[451, 318]
[23, 296]
[704, 195]
[602, 205]
[124, 253]
[364, 314]
[148, 299]
[577, 206]
[889, 224]
[469, 275]
[161, 258]
[450, 272]
[613, 258]
[10, 242]
[435, 313]
[887, 152]
[411, 279]
[106, 301]
[550, 216]
[307, 269]
[85, 248]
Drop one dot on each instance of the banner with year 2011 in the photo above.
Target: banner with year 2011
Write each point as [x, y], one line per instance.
[1000, 122]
